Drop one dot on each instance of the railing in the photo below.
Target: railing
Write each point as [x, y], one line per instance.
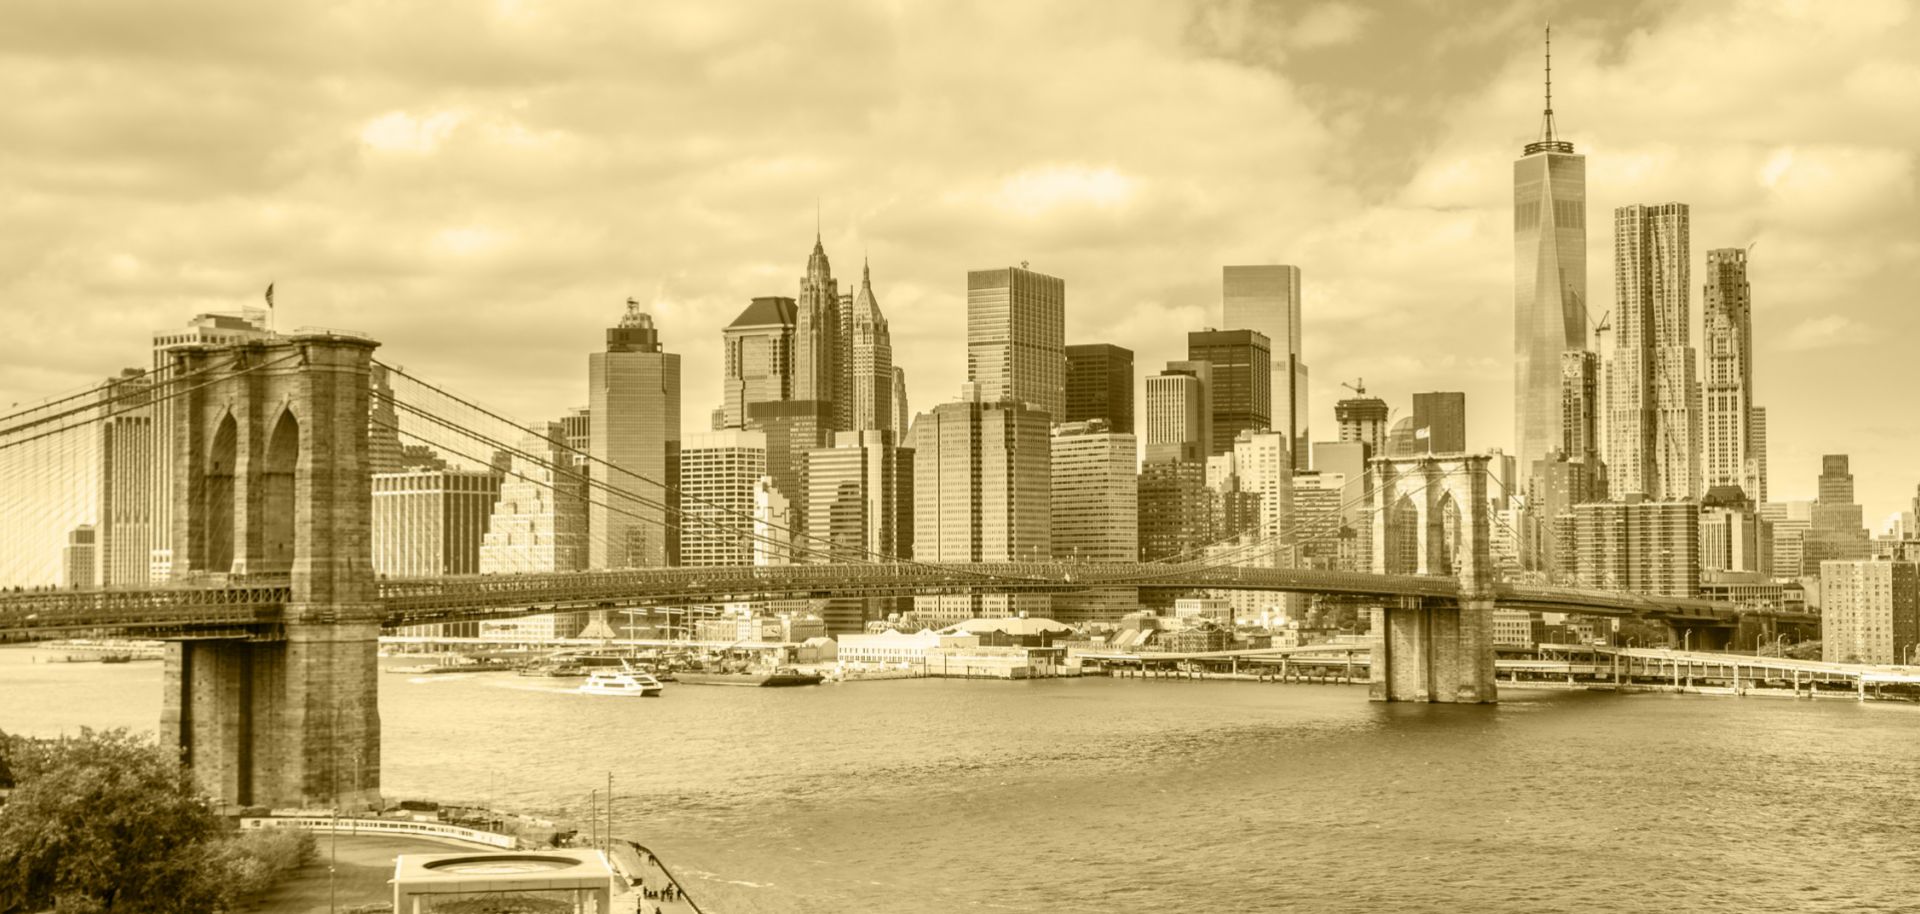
[354, 826]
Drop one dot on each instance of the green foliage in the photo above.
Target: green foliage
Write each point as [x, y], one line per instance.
[252, 861]
[107, 822]
[1805, 650]
[6, 752]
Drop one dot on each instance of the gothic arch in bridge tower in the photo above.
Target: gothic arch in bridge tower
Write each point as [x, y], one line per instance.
[213, 551]
[1426, 649]
[278, 484]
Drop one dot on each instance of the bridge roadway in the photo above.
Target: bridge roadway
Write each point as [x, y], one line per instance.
[221, 606]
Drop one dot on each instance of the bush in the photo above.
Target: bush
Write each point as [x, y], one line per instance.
[252, 861]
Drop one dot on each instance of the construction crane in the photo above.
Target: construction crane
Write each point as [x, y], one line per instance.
[1359, 386]
[1601, 327]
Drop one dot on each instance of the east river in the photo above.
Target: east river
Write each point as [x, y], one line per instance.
[1129, 795]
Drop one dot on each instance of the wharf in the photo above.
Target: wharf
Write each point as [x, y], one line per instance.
[632, 860]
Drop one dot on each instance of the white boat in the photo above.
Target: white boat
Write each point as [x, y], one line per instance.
[615, 682]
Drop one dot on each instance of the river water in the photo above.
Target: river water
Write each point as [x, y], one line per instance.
[1104, 795]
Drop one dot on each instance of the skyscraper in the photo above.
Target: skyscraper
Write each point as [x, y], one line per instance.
[1241, 392]
[868, 361]
[123, 536]
[1180, 413]
[1267, 298]
[718, 473]
[860, 509]
[759, 358]
[1640, 547]
[1549, 279]
[902, 416]
[1653, 391]
[1362, 419]
[428, 523]
[981, 491]
[633, 390]
[1443, 416]
[1095, 504]
[816, 335]
[1870, 611]
[80, 558]
[1016, 338]
[1735, 456]
[539, 521]
[1837, 531]
[1100, 385]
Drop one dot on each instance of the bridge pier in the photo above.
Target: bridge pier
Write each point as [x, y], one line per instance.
[1425, 651]
[270, 457]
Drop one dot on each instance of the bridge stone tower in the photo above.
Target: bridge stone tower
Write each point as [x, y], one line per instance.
[271, 482]
[1430, 517]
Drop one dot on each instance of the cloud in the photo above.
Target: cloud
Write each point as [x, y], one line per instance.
[1824, 332]
[1328, 25]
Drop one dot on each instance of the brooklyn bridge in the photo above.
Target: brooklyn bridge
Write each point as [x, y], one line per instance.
[272, 609]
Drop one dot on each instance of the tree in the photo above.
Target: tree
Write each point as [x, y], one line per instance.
[108, 822]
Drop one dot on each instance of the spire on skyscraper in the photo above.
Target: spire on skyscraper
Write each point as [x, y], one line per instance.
[1549, 141]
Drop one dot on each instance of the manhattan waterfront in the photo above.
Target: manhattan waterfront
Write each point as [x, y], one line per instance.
[1098, 795]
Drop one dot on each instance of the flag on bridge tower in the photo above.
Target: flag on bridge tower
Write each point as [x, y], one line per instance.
[269, 296]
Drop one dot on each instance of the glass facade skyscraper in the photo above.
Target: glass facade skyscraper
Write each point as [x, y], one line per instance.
[1266, 298]
[1016, 338]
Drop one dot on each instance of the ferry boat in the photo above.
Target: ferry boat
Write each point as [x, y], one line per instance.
[615, 682]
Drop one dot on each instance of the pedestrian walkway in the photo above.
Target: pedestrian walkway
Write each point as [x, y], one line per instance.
[653, 881]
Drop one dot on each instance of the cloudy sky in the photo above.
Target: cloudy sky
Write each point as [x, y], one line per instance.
[480, 186]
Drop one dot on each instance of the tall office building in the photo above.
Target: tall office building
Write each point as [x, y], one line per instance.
[816, 337]
[1733, 535]
[1837, 530]
[1177, 509]
[981, 489]
[1653, 390]
[1348, 460]
[1791, 521]
[123, 535]
[429, 523]
[383, 422]
[1443, 416]
[759, 358]
[1016, 338]
[718, 472]
[1180, 413]
[859, 509]
[80, 558]
[772, 524]
[539, 521]
[1241, 393]
[1265, 470]
[1549, 279]
[792, 427]
[577, 426]
[1100, 385]
[1096, 513]
[220, 329]
[902, 416]
[1364, 419]
[633, 390]
[1869, 611]
[1267, 299]
[1732, 455]
[1640, 547]
[869, 360]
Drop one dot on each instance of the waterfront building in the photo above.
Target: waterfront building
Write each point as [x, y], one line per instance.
[1549, 279]
[633, 389]
[1837, 529]
[1443, 416]
[1239, 386]
[817, 340]
[718, 475]
[1266, 298]
[123, 534]
[1180, 412]
[217, 329]
[1095, 492]
[758, 358]
[1639, 547]
[1362, 419]
[1100, 385]
[981, 491]
[431, 522]
[1734, 456]
[1016, 338]
[1653, 391]
[539, 520]
[1746, 588]
[1513, 628]
[1869, 611]
[859, 509]
[79, 558]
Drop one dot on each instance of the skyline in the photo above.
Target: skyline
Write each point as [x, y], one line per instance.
[468, 189]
